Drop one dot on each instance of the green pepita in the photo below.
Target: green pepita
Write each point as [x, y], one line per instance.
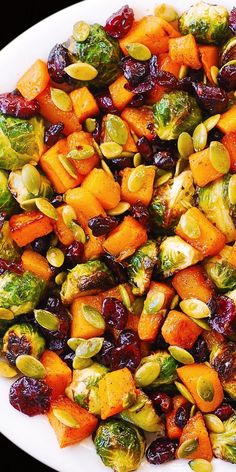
[6, 314]
[66, 418]
[200, 137]
[110, 150]
[184, 391]
[166, 12]
[187, 448]
[6, 370]
[28, 205]
[46, 208]
[81, 71]
[90, 125]
[195, 308]
[55, 257]
[137, 159]
[183, 71]
[137, 306]
[97, 149]
[93, 317]
[139, 51]
[181, 165]
[181, 355]
[137, 178]
[125, 296]
[84, 152]
[47, 320]
[68, 166]
[190, 226]
[232, 190]
[117, 129]
[30, 366]
[214, 74]
[68, 215]
[202, 323]
[163, 179]
[134, 136]
[147, 373]
[31, 179]
[205, 389]
[106, 168]
[127, 154]
[185, 145]
[138, 405]
[219, 157]
[60, 278]
[89, 348]
[61, 99]
[153, 304]
[79, 363]
[193, 410]
[81, 31]
[174, 302]
[78, 232]
[121, 208]
[73, 343]
[211, 122]
[200, 465]
[213, 423]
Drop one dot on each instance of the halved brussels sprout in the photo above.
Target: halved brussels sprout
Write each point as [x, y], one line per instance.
[7, 202]
[223, 360]
[228, 52]
[22, 339]
[20, 293]
[20, 192]
[141, 267]
[168, 368]
[175, 254]
[143, 415]
[224, 444]
[221, 271]
[8, 248]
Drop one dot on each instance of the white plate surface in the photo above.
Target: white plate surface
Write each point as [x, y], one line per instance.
[34, 435]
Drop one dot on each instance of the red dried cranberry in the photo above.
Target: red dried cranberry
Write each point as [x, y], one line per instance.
[120, 163]
[144, 87]
[161, 450]
[128, 336]
[200, 350]
[119, 24]
[127, 355]
[59, 58]
[74, 254]
[15, 105]
[161, 402]
[41, 245]
[166, 79]
[223, 315]
[182, 415]
[164, 160]
[118, 268]
[145, 149]
[224, 411]
[30, 396]
[162, 145]
[227, 77]
[57, 200]
[101, 225]
[104, 355]
[105, 103]
[232, 20]
[114, 312]
[140, 213]
[138, 100]
[11, 266]
[68, 356]
[3, 217]
[212, 99]
[52, 134]
[135, 71]
[16, 346]
[97, 132]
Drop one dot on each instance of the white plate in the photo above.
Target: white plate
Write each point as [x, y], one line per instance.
[34, 435]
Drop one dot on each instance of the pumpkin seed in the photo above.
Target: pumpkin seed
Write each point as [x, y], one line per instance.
[81, 71]
[204, 79]
[205, 389]
[200, 137]
[137, 178]
[207, 363]
[214, 424]
[195, 308]
[31, 179]
[185, 145]
[30, 366]
[73, 343]
[68, 215]
[187, 448]
[125, 296]
[219, 157]
[68, 166]
[106, 168]
[202, 323]
[81, 31]
[46, 208]
[147, 373]
[190, 226]
[232, 190]
[163, 179]
[139, 51]
[60, 278]
[84, 152]
[78, 232]
[29, 204]
[138, 405]
[47, 320]
[116, 129]
[211, 122]
[183, 71]
[137, 306]
[174, 302]
[6, 370]
[134, 136]
[193, 410]
[61, 99]
[121, 208]
[181, 165]
[154, 303]
[6, 314]
[93, 317]
[80, 364]
[214, 73]
[200, 465]
[55, 257]
[89, 347]
[137, 159]
[66, 418]
[97, 148]
[90, 125]
[184, 391]
[110, 150]
[181, 355]
[166, 12]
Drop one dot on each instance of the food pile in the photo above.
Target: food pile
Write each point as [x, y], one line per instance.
[117, 240]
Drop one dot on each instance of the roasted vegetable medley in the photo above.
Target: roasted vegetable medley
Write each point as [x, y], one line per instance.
[117, 237]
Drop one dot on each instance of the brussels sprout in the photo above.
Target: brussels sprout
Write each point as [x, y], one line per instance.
[221, 271]
[224, 444]
[213, 200]
[86, 279]
[7, 202]
[84, 387]
[21, 141]
[20, 192]
[171, 200]
[120, 445]
[208, 23]
[223, 360]
[175, 254]
[20, 293]
[141, 266]
[8, 248]
[22, 339]
[176, 112]
[102, 52]
[143, 415]
[168, 368]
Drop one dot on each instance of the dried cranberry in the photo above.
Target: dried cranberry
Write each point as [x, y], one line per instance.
[213, 99]
[59, 58]
[3, 217]
[166, 79]
[74, 254]
[16, 345]
[162, 145]
[227, 77]
[138, 100]
[114, 312]
[224, 411]
[41, 245]
[145, 149]
[57, 340]
[182, 415]
[67, 355]
[120, 163]
[161, 401]
[128, 336]
[119, 24]
[118, 268]
[127, 355]
[223, 315]
[97, 132]
[153, 66]
[105, 103]
[11, 266]
[101, 225]
[57, 200]
[15, 105]
[142, 88]
[161, 450]
[30, 396]
[164, 160]
[104, 355]
[134, 71]
[200, 350]
[232, 20]
[52, 134]
[140, 213]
